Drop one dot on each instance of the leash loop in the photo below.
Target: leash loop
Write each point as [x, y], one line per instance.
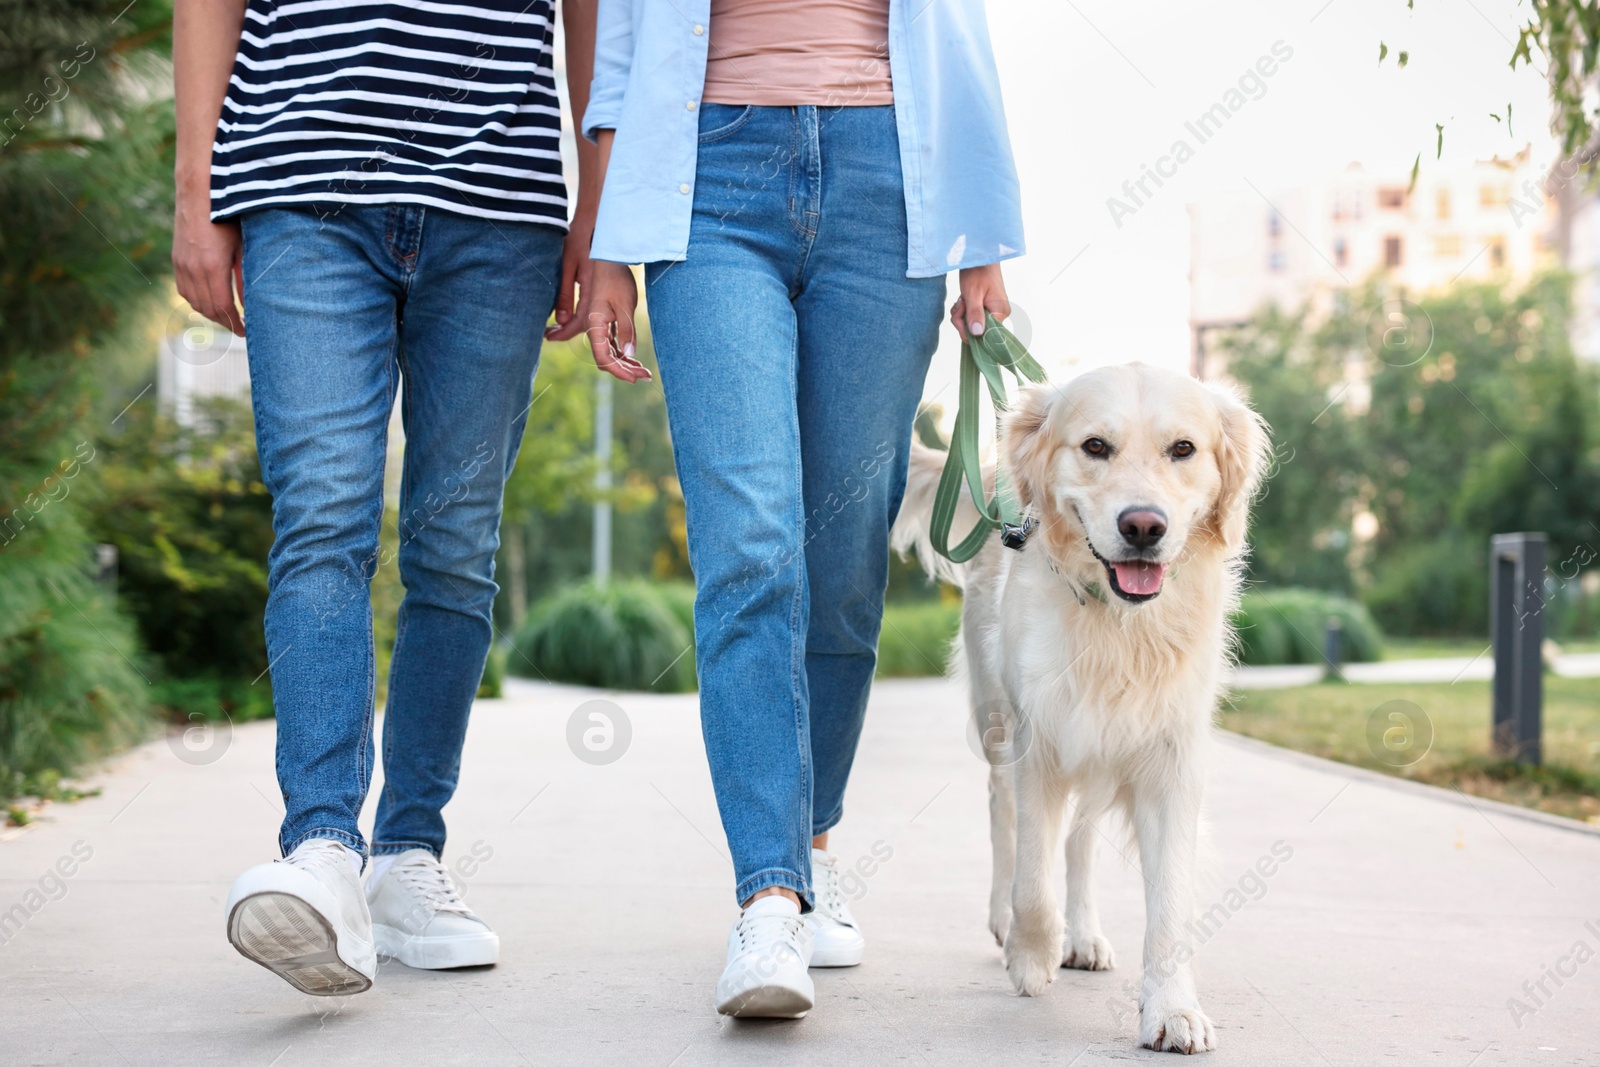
[983, 356]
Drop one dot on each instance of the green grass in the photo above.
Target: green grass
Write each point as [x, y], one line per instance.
[1433, 647]
[1333, 721]
[1465, 647]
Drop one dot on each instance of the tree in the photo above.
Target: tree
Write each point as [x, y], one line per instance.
[84, 179]
[1492, 426]
[1297, 381]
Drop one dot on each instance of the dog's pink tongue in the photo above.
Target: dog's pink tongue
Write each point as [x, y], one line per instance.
[1140, 578]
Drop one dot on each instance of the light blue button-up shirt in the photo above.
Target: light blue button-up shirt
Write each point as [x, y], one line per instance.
[963, 207]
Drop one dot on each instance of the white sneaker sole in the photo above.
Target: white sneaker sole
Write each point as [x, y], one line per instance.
[847, 955]
[291, 939]
[436, 953]
[769, 1002]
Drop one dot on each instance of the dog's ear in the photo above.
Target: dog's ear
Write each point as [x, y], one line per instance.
[1242, 454]
[1028, 445]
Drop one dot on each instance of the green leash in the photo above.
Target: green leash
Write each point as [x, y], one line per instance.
[986, 354]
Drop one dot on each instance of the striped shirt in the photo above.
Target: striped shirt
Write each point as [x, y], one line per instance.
[446, 105]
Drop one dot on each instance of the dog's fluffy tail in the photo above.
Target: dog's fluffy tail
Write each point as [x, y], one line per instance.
[912, 530]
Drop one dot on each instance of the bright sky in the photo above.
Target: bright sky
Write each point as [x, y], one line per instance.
[1096, 89]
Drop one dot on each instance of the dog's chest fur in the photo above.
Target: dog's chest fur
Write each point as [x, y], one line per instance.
[1102, 683]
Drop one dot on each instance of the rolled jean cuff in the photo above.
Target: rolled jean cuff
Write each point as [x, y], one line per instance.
[394, 848]
[350, 841]
[774, 877]
[823, 825]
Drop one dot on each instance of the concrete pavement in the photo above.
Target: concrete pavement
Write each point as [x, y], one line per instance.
[1397, 931]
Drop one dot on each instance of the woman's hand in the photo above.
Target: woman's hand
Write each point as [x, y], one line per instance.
[982, 290]
[613, 296]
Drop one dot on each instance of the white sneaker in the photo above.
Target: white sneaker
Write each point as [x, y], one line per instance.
[304, 919]
[835, 935]
[419, 918]
[769, 949]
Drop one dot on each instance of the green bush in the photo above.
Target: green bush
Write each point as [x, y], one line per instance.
[915, 640]
[72, 676]
[86, 181]
[213, 697]
[492, 685]
[1436, 589]
[192, 523]
[624, 636]
[1278, 626]
[679, 598]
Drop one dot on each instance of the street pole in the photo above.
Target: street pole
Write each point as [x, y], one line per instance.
[1516, 624]
[602, 481]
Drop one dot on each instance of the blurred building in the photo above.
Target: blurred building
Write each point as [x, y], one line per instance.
[1312, 244]
[197, 360]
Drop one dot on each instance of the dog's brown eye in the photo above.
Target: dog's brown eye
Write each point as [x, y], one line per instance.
[1096, 447]
[1183, 450]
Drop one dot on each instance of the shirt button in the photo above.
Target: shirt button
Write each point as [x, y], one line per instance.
[690, 105]
[699, 31]
[684, 188]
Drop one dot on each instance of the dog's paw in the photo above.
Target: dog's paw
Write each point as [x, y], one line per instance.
[1088, 954]
[1185, 1030]
[1031, 971]
[1000, 923]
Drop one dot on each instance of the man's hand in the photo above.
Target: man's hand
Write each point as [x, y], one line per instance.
[613, 296]
[205, 254]
[575, 272]
[206, 263]
[982, 290]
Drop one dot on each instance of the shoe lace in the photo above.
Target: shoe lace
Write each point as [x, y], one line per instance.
[767, 932]
[315, 854]
[830, 898]
[428, 878]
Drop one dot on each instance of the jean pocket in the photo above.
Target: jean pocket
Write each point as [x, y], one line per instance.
[721, 120]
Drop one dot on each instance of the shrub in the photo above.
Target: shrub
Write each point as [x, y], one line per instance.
[1280, 626]
[70, 666]
[192, 523]
[492, 685]
[1436, 589]
[915, 640]
[679, 597]
[623, 636]
[211, 696]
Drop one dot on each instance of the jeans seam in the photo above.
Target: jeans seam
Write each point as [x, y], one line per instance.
[721, 132]
[363, 769]
[769, 877]
[797, 651]
[796, 145]
[391, 848]
[344, 837]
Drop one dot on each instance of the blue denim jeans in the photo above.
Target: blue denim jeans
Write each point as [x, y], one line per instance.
[793, 350]
[341, 308]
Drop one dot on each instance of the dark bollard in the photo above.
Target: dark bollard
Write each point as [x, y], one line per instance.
[1333, 651]
[1516, 622]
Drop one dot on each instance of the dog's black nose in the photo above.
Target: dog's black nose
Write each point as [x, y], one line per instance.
[1142, 527]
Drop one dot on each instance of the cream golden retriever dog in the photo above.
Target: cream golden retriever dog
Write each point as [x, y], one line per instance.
[1095, 654]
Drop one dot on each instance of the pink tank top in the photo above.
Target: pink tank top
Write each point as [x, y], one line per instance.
[829, 53]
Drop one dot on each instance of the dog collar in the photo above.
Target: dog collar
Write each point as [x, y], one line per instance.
[1088, 589]
[1015, 535]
